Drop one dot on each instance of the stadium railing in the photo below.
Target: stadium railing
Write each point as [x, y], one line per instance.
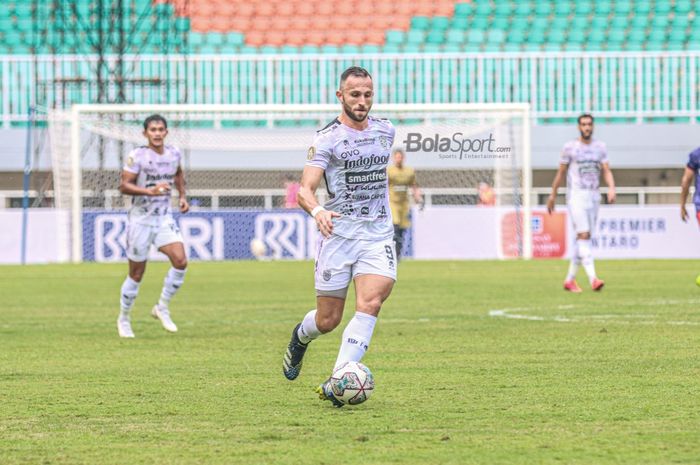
[618, 86]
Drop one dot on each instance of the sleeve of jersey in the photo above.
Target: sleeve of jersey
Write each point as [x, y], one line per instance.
[604, 153]
[319, 153]
[565, 157]
[693, 160]
[132, 163]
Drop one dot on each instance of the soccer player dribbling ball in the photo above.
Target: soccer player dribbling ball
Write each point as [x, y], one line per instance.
[356, 244]
[582, 160]
[149, 174]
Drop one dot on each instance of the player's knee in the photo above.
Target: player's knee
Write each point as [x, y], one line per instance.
[179, 263]
[370, 305]
[327, 323]
[136, 275]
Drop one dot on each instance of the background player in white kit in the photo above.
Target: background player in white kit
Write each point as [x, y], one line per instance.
[149, 174]
[352, 154]
[582, 160]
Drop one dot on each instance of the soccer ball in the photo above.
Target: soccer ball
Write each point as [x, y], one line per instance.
[258, 248]
[352, 383]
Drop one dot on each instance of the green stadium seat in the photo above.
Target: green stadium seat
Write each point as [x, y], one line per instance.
[432, 48]
[6, 24]
[543, 9]
[616, 36]
[637, 36]
[677, 35]
[512, 47]
[235, 38]
[583, 8]
[479, 23]
[619, 22]
[523, 9]
[657, 35]
[502, 23]
[247, 50]
[395, 37]
[556, 36]
[440, 23]
[435, 37]
[622, 7]
[22, 9]
[215, 38]
[563, 8]
[503, 9]
[516, 36]
[540, 23]
[459, 22]
[475, 36]
[536, 37]
[683, 7]
[269, 50]
[680, 22]
[420, 23]
[658, 22]
[634, 47]
[520, 24]
[182, 24]
[641, 8]
[599, 23]
[602, 8]
[370, 48]
[483, 9]
[391, 48]
[464, 10]
[639, 22]
[495, 36]
[662, 7]
[412, 48]
[560, 23]
[491, 48]
[415, 37]
[456, 36]
[196, 39]
[330, 49]
[347, 49]
[577, 36]
[451, 48]
[570, 47]
[675, 46]
[551, 47]
[596, 36]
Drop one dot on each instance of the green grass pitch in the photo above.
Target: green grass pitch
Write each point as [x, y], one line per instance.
[475, 362]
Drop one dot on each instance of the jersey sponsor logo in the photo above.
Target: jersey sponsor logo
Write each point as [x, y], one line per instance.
[311, 153]
[367, 162]
[369, 176]
[130, 160]
[349, 153]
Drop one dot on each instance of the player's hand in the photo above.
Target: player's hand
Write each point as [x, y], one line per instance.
[184, 205]
[162, 188]
[550, 204]
[421, 204]
[611, 196]
[684, 213]
[324, 221]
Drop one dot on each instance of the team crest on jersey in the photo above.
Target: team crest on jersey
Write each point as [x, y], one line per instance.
[327, 275]
[384, 141]
[311, 153]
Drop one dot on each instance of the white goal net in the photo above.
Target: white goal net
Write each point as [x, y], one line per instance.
[242, 163]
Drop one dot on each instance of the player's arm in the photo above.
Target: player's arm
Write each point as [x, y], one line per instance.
[179, 182]
[610, 181]
[128, 186]
[310, 180]
[688, 176]
[417, 193]
[558, 178]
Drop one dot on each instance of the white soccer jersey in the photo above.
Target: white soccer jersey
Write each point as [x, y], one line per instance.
[355, 172]
[152, 168]
[585, 161]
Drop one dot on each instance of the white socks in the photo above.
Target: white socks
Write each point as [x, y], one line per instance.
[308, 331]
[356, 339]
[130, 289]
[584, 252]
[573, 265]
[173, 281]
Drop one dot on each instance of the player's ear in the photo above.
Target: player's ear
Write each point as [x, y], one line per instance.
[339, 94]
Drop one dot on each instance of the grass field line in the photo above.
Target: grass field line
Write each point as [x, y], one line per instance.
[535, 314]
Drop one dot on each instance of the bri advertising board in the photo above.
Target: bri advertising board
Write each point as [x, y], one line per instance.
[219, 235]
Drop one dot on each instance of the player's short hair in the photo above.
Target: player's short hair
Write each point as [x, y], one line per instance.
[356, 71]
[584, 115]
[398, 150]
[152, 119]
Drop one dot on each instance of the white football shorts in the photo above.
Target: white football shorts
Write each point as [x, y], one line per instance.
[583, 210]
[339, 260]
[140, 237]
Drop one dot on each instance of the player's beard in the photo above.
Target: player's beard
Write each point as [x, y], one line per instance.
[350, 114]
[585, 136]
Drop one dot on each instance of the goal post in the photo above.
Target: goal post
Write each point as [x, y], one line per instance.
[90, 142]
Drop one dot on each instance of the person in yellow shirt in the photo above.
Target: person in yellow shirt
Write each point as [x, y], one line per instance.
[401, 179]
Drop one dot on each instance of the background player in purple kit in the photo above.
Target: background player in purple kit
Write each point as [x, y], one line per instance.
[690, 174]
[149, 175]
